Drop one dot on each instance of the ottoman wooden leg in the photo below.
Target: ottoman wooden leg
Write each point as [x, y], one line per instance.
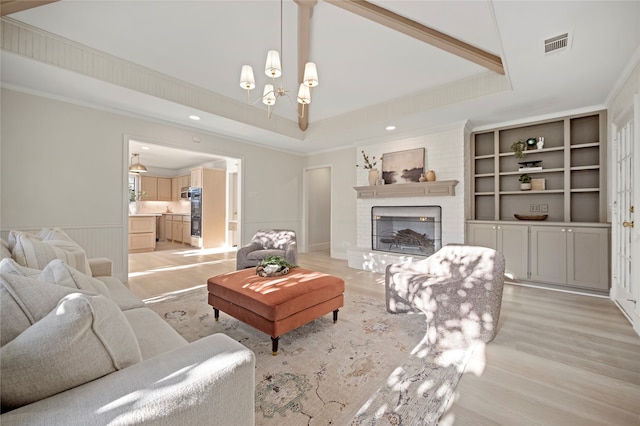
[335, 315]
[216, 313]
[274, 345]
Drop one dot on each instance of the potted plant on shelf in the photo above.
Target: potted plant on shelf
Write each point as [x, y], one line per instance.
[525, 182]
[518, 148]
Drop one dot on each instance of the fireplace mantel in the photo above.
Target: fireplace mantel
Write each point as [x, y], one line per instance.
[419, 189]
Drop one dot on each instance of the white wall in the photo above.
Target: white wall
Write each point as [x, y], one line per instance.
[65, 165]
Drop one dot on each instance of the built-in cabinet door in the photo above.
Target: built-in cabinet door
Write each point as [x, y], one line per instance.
[570, 255]
[549, 254]
[510, 240]
[483, 235]
[513, 243]
[588, 258]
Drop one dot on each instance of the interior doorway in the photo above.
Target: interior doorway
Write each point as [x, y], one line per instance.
[317, 196]
[178, 168]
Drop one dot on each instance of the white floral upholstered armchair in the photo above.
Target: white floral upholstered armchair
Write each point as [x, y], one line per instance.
[458, 288]
[268, 242]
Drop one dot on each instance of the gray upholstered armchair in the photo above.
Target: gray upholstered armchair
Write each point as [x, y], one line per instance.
[268, 242]
[458, 288]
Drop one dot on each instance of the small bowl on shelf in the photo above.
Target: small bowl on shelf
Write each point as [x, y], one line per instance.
[530, 217]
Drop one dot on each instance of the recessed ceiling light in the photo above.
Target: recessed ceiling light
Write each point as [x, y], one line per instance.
[146, 148]
[194, 117]
[390, 127]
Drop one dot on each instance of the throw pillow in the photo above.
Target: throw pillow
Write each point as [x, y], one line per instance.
[10, 266]
[4, 249]
[82, 339]
[24, 301]
[29, 250]
[58, 272]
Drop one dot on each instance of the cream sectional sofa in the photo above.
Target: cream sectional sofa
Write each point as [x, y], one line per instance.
[78, 348]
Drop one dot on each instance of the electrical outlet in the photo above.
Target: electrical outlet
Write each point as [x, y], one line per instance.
[534, 207]
[544, 208]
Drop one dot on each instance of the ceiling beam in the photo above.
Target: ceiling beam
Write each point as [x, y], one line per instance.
[305, 10]
[421, 32]
[8, 7]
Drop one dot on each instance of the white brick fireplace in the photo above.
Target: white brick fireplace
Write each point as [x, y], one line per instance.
[444, 155]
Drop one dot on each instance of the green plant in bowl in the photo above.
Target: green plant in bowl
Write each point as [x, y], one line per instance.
[518, 148]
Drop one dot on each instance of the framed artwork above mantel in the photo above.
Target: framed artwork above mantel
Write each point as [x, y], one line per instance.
[403, 166]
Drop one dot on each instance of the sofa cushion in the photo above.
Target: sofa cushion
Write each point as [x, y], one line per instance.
[120, 294]
[154, 335]
[24, 301]
[83, 338]
[36, 251]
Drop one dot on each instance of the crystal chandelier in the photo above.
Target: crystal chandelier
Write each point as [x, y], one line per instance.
[273, 70]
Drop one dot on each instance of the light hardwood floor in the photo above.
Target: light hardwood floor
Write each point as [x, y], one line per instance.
[558, 358]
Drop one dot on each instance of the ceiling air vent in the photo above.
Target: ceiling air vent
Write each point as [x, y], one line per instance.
[556, 43]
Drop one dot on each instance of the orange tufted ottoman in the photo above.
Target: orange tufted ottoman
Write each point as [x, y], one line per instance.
[276, 305]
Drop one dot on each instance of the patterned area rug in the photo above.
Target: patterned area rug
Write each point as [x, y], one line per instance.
[369, 368]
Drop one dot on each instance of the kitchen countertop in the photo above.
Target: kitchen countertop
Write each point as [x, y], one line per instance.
[145, 214]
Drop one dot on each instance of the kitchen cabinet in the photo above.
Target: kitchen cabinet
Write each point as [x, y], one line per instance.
[177, 183]
[510, 240]
[164, 189]
[197, 177]
[142, 233]
[149, 186]
[177, 229]
[169, 227]
[214, 195]
[186, 230]
[156, 188]
[571, 255]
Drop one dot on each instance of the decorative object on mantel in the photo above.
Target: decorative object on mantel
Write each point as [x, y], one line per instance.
[525, 182]
[530, 217]
[423, 178]
[370, 165]
[518, 148]
[380, 181]
[403, 166]
[373, 176]
[540, 143]
[431, 176]
[531, 143]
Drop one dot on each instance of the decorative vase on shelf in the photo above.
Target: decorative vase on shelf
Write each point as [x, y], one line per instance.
[431, 176]
[133, 207]
[373, 176]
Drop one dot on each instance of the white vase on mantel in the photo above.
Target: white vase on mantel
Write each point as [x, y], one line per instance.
[133, 207]
[373, 176]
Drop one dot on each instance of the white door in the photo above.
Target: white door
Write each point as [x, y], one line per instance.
[625, 237]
